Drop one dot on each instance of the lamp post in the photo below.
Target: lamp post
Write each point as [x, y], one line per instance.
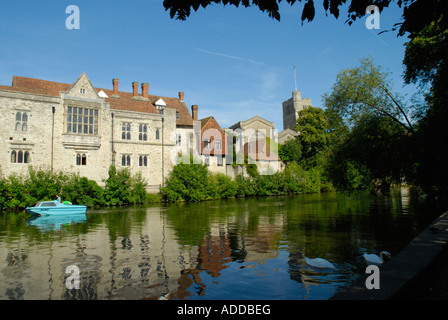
[160, 105]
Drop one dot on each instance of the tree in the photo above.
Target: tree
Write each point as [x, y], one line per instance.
[290, 151]
[181, 10]
[312, 126]
[366, 90]
[426, 63]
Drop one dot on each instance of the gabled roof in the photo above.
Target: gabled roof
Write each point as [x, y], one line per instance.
[240, 124]
[124, 102]
[211, 123]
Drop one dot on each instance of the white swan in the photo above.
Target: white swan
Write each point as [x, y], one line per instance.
[319, 263]
[373, 258]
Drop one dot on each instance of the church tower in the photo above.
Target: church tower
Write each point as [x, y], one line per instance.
[291, 108]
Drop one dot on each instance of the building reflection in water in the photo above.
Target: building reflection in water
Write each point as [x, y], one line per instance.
[148, 260]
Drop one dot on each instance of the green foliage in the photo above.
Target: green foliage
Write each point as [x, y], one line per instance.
[195, 183]
[21, 191]
[366, 90]
[312, 125]
[221, 186]
[81, 190]
[186, 182]
[122, 188]
[426, 63]
[290, 151]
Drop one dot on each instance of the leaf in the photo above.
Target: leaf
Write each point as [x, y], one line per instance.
[308, 11]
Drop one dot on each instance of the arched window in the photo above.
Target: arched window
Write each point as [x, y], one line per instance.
[128, 161]
[13, 156]
[26, 158]
[123, 160]
[21, 121]
[142, 132]
[20, 157]
[157, 134]
[126, 131]
[83, 160]
[143, 161]
[78, 159]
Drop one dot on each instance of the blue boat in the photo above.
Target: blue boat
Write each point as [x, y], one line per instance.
[47, 208]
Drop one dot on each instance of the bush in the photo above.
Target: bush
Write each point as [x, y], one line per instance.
[122, 188]
[21, 191]
[80, 190]
[221, 186]
[187, 182]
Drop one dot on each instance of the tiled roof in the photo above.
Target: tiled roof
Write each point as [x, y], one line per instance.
[211, 123]
[124, 102]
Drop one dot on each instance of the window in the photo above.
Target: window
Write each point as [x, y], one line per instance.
[126, 131]
[19, 156]
[207, 160]
[21, 121]
[26, 157]
[177, 115]
[157, 134]
[81, 159]
[178, 140]
[219, 160]
[82, 90]
[207, 144]
[142, 132]
[82, 120]
[143, 161]
[217, 144]
[126, 160]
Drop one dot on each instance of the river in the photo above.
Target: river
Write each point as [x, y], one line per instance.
[229, 249]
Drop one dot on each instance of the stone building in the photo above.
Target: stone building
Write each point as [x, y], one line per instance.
[78, 128]
[292, 107]
[286, 134]
[253, 129]
[212, 145]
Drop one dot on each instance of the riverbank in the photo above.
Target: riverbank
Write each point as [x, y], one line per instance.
[419, 271]
[120, 188]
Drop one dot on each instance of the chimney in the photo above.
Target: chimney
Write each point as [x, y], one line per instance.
[115, 84]
[194, 112]
[135, 88]
[181, 96]
[145, 88]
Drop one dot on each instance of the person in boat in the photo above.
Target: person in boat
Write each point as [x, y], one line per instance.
[58, 198]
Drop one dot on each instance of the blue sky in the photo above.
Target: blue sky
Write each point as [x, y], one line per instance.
[234, 63]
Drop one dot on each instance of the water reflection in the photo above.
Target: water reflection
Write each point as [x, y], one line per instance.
[234, 249]
[56, 222]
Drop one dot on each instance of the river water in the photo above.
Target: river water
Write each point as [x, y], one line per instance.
[229, 249]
